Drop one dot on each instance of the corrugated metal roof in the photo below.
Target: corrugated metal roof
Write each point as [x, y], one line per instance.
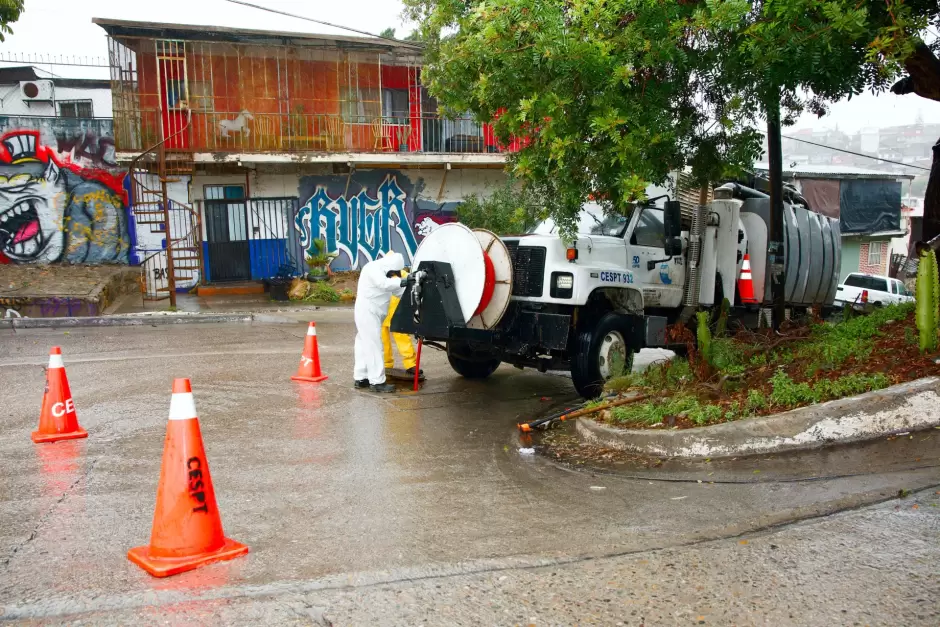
[128, 28]
[834, 172]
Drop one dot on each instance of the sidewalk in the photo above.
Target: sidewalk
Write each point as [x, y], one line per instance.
[261, 303]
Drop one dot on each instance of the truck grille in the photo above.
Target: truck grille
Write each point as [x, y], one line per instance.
[528, 269]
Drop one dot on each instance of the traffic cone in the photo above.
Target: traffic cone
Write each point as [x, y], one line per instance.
[309, 369]
[746, 283]
[187, 528]
[57, 418]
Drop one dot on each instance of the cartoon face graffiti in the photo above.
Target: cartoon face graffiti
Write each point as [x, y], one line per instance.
[51, 212]
[32, 208]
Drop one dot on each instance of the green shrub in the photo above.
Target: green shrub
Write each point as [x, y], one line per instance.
[756, 401]
[322, 292]
[786, 393]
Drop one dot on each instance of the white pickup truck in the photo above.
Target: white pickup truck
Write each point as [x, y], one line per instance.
[860, 289]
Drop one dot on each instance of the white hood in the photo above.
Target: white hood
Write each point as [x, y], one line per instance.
[375, 288]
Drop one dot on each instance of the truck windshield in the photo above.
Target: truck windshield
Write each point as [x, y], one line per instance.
[590, 222]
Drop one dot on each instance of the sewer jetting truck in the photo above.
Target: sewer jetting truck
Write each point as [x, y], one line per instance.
[538, 301]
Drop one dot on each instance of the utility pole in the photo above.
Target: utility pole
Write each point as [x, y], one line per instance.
[775, 258]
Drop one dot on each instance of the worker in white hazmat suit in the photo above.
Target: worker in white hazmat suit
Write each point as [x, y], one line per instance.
[378, 282]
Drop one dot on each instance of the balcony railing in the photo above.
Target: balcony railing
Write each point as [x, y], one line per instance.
[244, 132]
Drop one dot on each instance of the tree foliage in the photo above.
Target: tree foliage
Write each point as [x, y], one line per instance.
[10, 11]
[614, 94]
[509, 210]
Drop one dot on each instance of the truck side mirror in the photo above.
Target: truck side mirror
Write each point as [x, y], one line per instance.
[673, 246]
[672, 219]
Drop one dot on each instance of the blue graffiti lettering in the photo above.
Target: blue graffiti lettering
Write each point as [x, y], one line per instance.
[365, 223]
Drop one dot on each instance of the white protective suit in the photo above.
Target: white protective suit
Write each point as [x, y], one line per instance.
[373, 295]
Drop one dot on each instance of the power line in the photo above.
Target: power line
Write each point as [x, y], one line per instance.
[322, 23]
[857, 154]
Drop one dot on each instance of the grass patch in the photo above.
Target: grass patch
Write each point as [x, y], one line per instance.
[758, 373]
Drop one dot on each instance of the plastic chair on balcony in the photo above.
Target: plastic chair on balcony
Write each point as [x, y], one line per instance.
[335, 130]
[383, 139]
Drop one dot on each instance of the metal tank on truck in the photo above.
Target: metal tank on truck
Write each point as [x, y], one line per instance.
[537, 301]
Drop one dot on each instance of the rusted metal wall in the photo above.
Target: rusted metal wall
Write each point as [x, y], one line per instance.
[265, 98]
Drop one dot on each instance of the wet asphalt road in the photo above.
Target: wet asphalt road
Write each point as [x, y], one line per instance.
[418, 509]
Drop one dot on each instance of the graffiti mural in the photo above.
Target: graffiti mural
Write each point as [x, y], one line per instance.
[366, 216]
[359, 226]
[54, 210]
[428, 216]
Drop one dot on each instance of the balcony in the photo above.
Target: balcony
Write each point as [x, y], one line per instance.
[241, 133]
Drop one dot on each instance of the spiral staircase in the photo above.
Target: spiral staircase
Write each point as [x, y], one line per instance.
[179, 261]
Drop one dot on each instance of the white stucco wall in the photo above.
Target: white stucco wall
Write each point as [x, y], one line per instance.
[430, 197]
[12, 103]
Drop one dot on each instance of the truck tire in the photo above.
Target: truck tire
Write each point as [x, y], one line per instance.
[594, 349]
[470, 369]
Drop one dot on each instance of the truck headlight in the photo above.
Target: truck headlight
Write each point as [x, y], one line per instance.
[562, 285]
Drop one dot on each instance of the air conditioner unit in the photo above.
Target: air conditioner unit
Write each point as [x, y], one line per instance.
[36, 90]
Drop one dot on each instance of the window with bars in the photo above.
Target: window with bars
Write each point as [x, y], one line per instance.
[75, 109]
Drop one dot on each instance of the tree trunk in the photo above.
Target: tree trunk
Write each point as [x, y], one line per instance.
[932, 201]
[924, 80]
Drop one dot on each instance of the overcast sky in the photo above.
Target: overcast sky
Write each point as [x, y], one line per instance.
[63, 27]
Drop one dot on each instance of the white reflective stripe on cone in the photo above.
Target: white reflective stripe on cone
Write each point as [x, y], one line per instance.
[311, 330]
[182, 406]
[55, 361]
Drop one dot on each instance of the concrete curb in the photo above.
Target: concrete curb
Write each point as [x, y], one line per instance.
[897, 409]
[128, 321]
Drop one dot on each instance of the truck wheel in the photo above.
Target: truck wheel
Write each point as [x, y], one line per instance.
[600, 353]
[473, 369]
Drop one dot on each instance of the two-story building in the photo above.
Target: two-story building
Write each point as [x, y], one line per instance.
[269, 141]
[866, 202]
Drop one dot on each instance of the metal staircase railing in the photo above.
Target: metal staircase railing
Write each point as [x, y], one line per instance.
[178, 222]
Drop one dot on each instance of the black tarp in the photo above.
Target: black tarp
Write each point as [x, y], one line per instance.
[869, 206]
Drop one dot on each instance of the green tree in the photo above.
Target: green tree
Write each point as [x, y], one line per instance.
[10, 11]
[613, 94]
[388, 32]
[509, 210]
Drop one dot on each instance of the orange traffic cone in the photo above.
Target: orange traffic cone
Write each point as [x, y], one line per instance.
[746, 282]
[309, 369]
[57, 419]
[187, 528]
